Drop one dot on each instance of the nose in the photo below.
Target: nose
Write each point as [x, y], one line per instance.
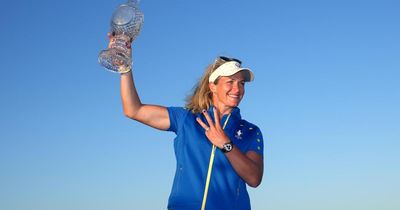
[236, 87]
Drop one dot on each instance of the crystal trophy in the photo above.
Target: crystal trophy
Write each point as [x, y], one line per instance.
[125, 25]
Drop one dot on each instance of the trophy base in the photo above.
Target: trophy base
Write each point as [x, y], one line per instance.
[115, 61]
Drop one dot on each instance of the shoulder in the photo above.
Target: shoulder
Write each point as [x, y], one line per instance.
[252, 132]
[178, 110]
[249, 126]
[253, 137]
[177, 116]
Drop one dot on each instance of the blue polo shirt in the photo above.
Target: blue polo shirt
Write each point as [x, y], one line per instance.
[192, 151]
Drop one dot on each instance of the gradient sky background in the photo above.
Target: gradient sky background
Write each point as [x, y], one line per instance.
[326, 96]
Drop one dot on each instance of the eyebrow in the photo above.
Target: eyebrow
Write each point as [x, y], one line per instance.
[239, 80]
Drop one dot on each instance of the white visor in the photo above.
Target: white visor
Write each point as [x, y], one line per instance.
[230, 68]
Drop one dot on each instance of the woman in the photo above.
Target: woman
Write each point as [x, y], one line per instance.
[207, 176]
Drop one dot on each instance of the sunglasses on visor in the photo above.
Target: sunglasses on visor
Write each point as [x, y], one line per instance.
[226, 59]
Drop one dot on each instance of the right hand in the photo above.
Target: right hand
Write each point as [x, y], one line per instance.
[126, 52]
[112, 38]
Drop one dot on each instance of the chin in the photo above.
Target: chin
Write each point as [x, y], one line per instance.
[233, 104]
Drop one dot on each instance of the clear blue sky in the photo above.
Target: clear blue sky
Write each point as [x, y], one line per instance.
[326, 96]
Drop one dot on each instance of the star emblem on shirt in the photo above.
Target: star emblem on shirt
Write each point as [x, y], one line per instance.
[239, 134]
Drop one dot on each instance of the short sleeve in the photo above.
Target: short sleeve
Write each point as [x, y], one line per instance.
[257, 142]
[176, 117]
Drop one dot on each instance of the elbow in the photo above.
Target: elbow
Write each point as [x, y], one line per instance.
[255, 181]
[130, 114]
[131, 111]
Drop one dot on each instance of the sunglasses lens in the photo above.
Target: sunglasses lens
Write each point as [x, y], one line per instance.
[226, 59]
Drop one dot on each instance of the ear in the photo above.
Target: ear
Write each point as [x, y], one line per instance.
[212, 87]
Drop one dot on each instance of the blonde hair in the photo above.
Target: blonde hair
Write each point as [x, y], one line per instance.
[201, 98]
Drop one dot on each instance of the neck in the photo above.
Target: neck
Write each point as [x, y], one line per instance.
[222, 109]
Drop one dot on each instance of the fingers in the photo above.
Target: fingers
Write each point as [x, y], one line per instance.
[213, 131]
[208, 118]
[216, 117]
[202, 124]
[210, 121]
[112, 38]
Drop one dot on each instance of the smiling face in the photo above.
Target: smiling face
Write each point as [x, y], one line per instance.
[228, 92]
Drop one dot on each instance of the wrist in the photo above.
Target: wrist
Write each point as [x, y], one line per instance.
[126, 70]
[227, 147]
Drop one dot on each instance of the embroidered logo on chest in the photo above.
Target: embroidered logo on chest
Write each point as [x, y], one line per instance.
[239, 134]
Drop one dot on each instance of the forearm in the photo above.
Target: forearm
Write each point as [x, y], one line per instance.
[248, 166]
[130, 99]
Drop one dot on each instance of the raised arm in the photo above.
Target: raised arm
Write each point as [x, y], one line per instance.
[152, 115]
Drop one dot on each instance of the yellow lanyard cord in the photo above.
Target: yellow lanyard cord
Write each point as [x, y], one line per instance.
[203, 205]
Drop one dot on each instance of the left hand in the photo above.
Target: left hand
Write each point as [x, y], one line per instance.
[214, 132]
